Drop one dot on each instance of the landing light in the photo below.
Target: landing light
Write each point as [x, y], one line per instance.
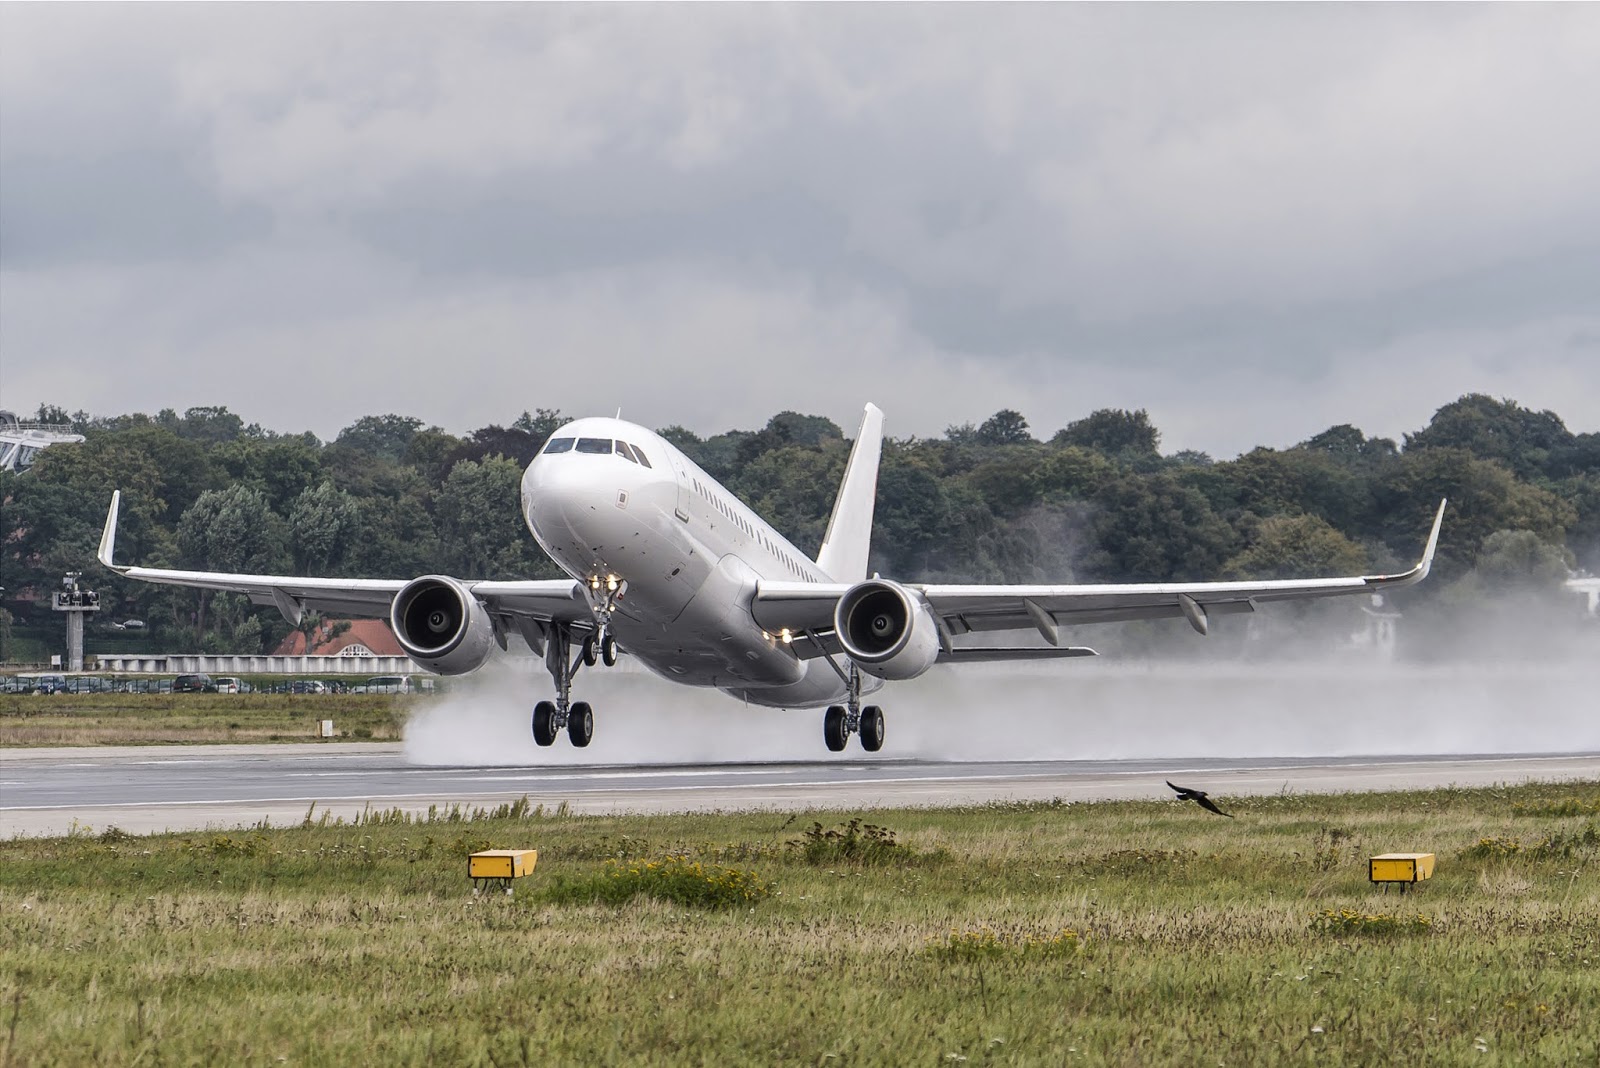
[611, 583]
[787, 637]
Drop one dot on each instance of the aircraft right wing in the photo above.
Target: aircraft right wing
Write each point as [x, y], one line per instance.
[806, 610]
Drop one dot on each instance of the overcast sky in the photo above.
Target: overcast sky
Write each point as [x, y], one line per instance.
[1253, 221]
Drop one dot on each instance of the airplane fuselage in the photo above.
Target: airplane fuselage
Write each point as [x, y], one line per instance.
[610, 501]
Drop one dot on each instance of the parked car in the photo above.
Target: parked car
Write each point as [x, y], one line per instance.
[308, 686]
[15, 684]
[198, 682]
[86, 684]
[49, 683]
[227, 684]
[388, 684]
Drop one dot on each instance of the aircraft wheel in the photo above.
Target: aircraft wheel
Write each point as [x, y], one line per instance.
[580, 724]
[872, 728]
[834, 733]
[544, 723]
[589, 652]
[608, 650]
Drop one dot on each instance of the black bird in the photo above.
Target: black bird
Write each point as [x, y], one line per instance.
[1198, 797]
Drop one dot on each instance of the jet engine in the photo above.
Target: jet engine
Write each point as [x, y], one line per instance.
[441, 625]
[887, 630]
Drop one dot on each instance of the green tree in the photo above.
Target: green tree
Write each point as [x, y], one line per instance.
[1005, 427]
[1490, 429]
[481, 529]
[323, 526]
[380, 435]
[231, 530]
[1115, 432]
[1516, 560]
[1292, 547]
[210, 425]
[1152, 529]
[1484, 497]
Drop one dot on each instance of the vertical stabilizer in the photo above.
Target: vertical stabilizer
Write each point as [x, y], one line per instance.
[844, 550]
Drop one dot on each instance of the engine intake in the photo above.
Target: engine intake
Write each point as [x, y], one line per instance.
[886, 630]
[441, 625]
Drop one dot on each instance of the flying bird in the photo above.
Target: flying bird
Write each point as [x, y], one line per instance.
[1198, 797]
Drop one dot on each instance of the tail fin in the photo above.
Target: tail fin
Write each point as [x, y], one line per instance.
[844, 549]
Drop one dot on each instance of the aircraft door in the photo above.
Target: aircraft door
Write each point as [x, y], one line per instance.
[682, 474]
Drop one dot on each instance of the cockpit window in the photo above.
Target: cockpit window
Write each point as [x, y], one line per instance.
[639, 455]
[594, 444]
[626, 450]
[559, 445]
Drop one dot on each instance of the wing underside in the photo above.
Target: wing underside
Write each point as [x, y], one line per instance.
[806, 610]
[513, 604]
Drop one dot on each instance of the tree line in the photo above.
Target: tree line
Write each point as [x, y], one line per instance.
[1096, 501]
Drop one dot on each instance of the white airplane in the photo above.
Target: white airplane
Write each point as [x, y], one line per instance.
[670, 567]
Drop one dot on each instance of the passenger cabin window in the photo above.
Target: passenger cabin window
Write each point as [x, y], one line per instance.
[559, 445]
[595, 445]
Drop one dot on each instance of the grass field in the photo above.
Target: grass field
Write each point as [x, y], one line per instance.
[1125, 933]
[196, 718]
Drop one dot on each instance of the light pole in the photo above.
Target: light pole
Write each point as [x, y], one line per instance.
[75, 602]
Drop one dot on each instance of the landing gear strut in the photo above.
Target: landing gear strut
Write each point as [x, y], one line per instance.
[841, 721]
[563, 656]
[550, 718]
[577, 717]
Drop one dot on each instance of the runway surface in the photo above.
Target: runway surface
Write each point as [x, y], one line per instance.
[156, 788]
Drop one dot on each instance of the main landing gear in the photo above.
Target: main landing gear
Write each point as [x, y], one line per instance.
[550, 718]
[841, 721]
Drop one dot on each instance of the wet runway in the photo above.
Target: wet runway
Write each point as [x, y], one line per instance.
[155, 788]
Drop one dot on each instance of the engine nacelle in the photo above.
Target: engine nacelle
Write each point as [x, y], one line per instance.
[441, 625]
[886, 630]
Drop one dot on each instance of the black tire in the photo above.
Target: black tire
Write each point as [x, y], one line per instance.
[589, 652]
[834, 735]
[544, 723]
[608, 651]
[580, 724]
[872, 728]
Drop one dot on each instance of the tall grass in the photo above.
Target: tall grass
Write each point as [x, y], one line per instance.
[189, 719]
[1126, 933]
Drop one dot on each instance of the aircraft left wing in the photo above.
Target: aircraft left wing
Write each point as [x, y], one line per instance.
[560, 600]
[805, 610]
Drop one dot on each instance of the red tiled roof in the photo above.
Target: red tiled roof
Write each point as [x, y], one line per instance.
[372, 633]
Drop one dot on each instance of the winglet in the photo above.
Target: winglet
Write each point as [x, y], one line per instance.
[843, 556]
[1420, 572]
[1433, 542]
[108, 537]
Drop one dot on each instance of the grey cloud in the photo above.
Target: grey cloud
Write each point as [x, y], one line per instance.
[1240, 217]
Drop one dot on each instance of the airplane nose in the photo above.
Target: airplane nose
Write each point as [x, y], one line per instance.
[566, 498]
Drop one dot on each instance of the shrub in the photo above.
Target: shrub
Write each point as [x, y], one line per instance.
[1562, 845]
[1356, 922]
[1493, 849]
[983, 942]
[852, 843]
[677, 879]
